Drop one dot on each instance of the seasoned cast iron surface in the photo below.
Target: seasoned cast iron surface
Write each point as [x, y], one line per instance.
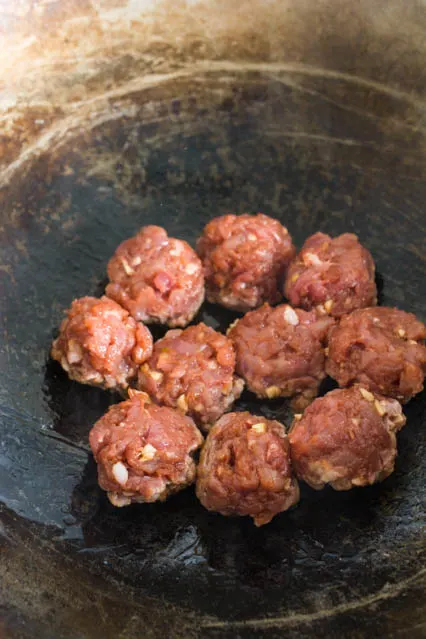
[74, 566]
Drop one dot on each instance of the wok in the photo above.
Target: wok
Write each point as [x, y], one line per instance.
[119, 114]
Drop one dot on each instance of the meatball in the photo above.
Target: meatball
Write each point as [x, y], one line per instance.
[382, 349]
[144, 452]
[280, 351]
[193, 370]
[245, 468]
[245, 258]
[346, 438]
[334, 274]
[100, 344]
[159, 279]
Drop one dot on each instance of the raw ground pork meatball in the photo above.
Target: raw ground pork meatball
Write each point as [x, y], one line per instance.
[345, 439]
[157, 278]
[144, 452]
[382, 349]
[280, 351]
[334, 274]
[245, 468]
[100, 344]
[193, 370]
[245, 258]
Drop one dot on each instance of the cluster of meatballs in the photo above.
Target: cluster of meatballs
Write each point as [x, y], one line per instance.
[146, 447]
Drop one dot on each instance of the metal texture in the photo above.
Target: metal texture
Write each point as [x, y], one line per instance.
[332, 139]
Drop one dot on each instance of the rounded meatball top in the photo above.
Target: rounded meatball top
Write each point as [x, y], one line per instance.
[335, 275]
[157, 278]
[381, 348]
[143, 451]
[346, 438]
[280, 350]
[245, 468]
[245, 258]
[100, 344]
[194, 370]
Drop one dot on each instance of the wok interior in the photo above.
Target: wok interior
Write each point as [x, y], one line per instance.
[317, 151]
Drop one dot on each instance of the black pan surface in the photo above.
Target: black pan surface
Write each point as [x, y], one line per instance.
[331, 154]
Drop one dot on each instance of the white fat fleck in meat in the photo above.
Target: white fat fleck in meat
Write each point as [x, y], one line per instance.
[366, 394]
[156, 376]
[182, 404]
[176, 250]
[75, 352]
[147, 453]
[128, 269]
[231, 326]
[191, 268]
[272, 392]
[276, 235]
[290, 316]
[94, 377]
[113, 312]
[393, 415]
[120, 473]
[379, 408]
[328, 305]
[259, 428]
[119, 500]
[251, 237]
[326, 474]
[358, 481]
[310, 259]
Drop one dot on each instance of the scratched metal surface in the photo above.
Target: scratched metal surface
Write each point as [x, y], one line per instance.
[319, 147]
